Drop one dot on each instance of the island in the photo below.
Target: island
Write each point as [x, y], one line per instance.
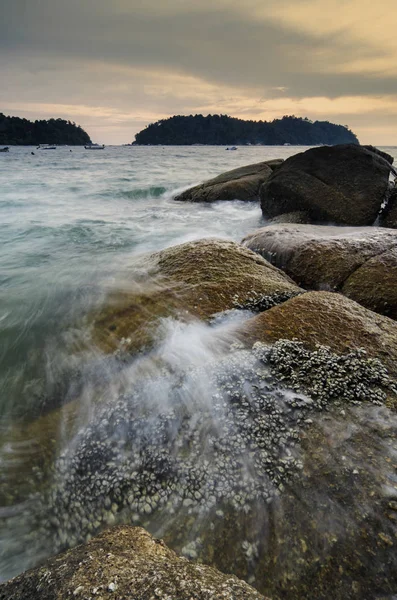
[224, 130]
[22, 132]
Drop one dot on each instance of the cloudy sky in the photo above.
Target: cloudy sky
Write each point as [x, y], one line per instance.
[114, 66]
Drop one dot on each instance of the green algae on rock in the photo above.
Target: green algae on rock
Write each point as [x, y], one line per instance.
[123, 563]
[192, 280]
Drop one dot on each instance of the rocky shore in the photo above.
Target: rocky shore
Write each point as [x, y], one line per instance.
[264, 446]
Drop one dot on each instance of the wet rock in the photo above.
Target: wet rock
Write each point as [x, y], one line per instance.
[341, 184]
[242, 183]
[374, 284]
[225, 463]
[389, 216]
[360, 262]
[331, 529]
[200, 455]
[254, 485]
[122, 563]
[329, 319]
[196, 279]
[299, 216]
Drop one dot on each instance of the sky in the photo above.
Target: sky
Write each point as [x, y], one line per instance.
[114, 66]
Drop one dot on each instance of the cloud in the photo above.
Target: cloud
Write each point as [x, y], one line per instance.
[151, 59]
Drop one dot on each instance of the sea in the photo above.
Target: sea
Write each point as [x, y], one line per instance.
[71, 222]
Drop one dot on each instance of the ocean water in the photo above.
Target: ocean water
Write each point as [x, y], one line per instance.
[71, 221]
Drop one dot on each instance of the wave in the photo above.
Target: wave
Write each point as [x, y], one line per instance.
[149, 192]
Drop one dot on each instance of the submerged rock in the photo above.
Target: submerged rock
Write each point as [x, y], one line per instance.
[360, 262]
[196, 279]
[124, 563]
[342, 184]
[242, 183]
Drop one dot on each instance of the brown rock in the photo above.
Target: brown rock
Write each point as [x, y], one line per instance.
[125, 563]
[331, 320]
[342, 184]
[196, 279]
[359, 261]
[242, 183]
[374, 284]
[298, 216]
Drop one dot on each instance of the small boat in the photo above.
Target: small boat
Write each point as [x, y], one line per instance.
[40, 147]
[6, 149]
[232, 148]
[95, 147]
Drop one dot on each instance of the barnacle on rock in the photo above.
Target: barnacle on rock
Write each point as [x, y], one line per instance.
[225, 434]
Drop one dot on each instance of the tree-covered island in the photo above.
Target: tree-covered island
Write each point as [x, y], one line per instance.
[225, 130]
[22, 132]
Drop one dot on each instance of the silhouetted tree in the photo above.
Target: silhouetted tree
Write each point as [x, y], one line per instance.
[224, 130]
[17, 131]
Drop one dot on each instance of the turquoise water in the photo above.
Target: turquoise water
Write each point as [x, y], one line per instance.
[70, 224]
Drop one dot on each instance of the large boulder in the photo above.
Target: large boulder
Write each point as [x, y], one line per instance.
[341, 184]
[249, 479]
[195, 279]
[359, 262]
[329, 319]
[232, 464]
[242, 183]
[125, 563]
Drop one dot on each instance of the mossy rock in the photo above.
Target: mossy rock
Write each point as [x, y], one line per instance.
[123, 563]
[374, 284]
[192, 280]
[242, 183]
[28, 450]
[329, 319]
[358, 261]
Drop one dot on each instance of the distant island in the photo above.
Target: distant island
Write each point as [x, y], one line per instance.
[21, 132]
[225, 130]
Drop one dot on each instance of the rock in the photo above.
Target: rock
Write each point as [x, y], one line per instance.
[242, 183]
[196, 279]
[342, 184]
[298, 216]
[389, 216]
[331, 320]
[388, 157]
[123, 563]
[374, 284]
[359, 262]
